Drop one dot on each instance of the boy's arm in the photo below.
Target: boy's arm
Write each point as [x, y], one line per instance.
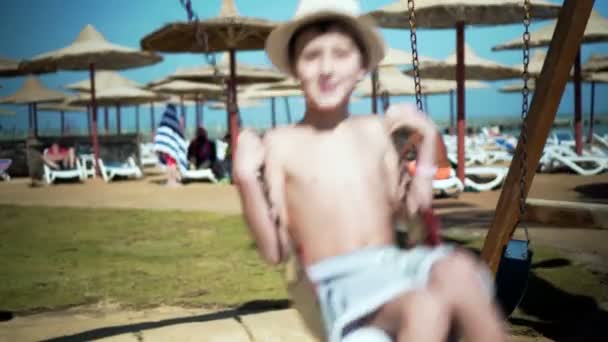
[274, 176]
[407, 116]
[248, 161]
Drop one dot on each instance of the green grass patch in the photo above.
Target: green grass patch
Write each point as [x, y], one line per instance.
[56, 257]
[52, 258]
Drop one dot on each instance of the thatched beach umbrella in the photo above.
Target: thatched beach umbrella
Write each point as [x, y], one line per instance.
[393, 58]
[200, 92]
[13, 68]
[227, 32]
[397, 58]
[105, 79]
[243, 103]
[31, 93]
[62, 108]
[255, 93]
[245, 74]
[395, 83]
[592, 78]
[474, 68]
[123, 95]
[9, 67]
[596, 31]
[442, 14]
[91, 51]
[596, 63]
[118, 96]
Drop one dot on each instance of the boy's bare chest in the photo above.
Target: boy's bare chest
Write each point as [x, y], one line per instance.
[331, 157]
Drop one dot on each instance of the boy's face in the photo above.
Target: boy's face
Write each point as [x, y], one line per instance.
[328, 65]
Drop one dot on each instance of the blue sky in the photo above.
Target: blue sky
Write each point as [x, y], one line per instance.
[31, 27]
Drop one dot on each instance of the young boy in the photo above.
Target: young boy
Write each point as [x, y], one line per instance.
[334, 193]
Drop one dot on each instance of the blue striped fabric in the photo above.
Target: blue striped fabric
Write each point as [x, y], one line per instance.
[169, 138]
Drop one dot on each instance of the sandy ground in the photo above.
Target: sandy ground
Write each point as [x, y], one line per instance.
[150, 193]
[471, 212]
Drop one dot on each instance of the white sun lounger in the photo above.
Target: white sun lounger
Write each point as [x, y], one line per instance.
[554, 158]
[448, 187]
[128, 169]
[87, 162]
[4, 165]
[50, 175]
[201, 174]
[497, 174]
[147, 155]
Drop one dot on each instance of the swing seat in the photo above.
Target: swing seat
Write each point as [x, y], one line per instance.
[512, 276]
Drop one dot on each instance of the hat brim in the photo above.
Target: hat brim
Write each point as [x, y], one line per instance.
[277, 43]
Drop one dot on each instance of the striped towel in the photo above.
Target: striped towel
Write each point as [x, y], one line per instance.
[169, 138]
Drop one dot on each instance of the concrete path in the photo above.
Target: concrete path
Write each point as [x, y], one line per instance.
[164, 324]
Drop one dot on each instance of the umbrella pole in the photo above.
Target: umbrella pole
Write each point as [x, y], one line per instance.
[287, 109]
[137, 119]
[106, 120]
[89, 120]
[152, 120]
[202, 109]
[197, 112]
[591, 113]
[233, 118]
[35, 116]
[62, 122]
[451, 112]
[578, 128]
[273, 112]
[183, 110]
[374, 93]
[30, 123]
[93, 125]
[118, 119]
[460, 75]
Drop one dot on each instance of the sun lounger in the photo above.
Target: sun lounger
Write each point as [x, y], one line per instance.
[201, 174]
[87, 162]
[111, 170]
[50, 174]
[448, 187]
[497, 175]
[554, 158]
[147, 155]
[4, 165]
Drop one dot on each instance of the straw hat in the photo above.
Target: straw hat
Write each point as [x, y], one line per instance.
[311, 11]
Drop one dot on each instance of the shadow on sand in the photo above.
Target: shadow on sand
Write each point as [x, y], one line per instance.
[247, 308]
[561, 315]
[595, 191]
[555, 313]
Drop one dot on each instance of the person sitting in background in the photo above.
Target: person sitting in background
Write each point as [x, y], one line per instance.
[201, 151]
[60, 158]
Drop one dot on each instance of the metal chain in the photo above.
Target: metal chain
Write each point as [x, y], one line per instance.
[414, 43]
[524, 113]
[201, 36]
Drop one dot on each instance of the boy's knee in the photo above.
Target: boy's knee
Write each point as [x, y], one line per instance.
[424, 305]
[462, 269]
[458, 265]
